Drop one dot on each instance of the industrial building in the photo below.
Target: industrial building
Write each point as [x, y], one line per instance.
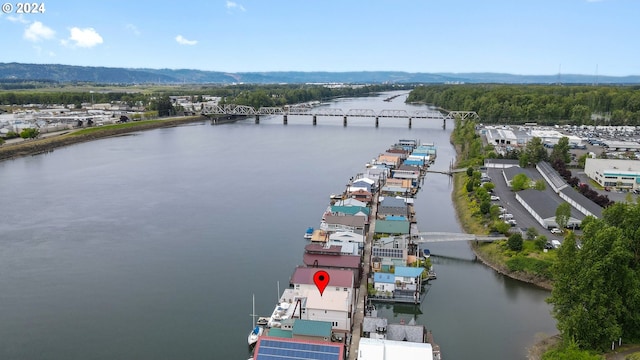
[620, 174]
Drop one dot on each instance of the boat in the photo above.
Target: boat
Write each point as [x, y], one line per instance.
[309, 233]
[257, 331]
[255, 334]
[426, 253]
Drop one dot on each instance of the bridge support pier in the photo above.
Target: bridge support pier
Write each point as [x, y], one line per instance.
[409, 123]
[444, 123]
[344, 121]
[257, 119]
[284, 119]
[315, 120]
[377, 121]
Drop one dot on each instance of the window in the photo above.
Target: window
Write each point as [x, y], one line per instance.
[346, 289]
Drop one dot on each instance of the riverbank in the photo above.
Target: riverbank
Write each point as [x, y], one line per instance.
[64, 138]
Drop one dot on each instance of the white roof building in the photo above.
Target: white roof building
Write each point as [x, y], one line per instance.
[380, 349]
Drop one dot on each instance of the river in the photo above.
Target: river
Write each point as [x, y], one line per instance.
[151, 245]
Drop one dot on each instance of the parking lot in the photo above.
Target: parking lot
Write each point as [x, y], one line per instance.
[511, 206]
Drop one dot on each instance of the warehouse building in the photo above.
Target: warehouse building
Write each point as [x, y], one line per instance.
[621, 174]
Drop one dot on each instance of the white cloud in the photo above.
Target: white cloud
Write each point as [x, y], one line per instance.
[233, 5]
[182, 41]
[86, 37]
[133, 29]
[37, 31]
[19, 19]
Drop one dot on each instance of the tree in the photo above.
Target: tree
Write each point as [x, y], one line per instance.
[535, 152]
[563, 214]
[515, 242]
[164, 106]
[540, 185]
[531, 233]
[470, 171]
[561, 151]
[489, 186]
[596, 294]
[29, 133]
[520, 182]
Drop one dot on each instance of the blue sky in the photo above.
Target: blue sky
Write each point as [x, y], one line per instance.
[528, 37]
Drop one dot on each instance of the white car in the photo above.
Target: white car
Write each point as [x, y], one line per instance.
[556, 231]
[495, 198]
[506, 216]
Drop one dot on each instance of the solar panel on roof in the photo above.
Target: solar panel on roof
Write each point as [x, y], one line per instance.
[269, 349]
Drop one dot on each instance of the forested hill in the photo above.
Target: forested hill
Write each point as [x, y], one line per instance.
[110, 75]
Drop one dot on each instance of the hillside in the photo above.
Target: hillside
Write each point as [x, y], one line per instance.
[110, 75]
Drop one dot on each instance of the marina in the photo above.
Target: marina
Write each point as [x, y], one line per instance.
[169, 274]
[364, 252]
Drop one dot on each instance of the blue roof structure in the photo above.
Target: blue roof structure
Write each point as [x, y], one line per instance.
[312, 328]
[287, 349]
[384, 278]
[406, 271]
[414, 162]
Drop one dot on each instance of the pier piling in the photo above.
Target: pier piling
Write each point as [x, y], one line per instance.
[257, 119]
[377, 122]
[344, 121]
[315, 120]
[409, 123]
[284, 119]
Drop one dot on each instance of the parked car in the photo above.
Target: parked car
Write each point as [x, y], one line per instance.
[548, 245]
[556, 231]
[505, 216]
[495, 198]
[511, 222]
[556, 243]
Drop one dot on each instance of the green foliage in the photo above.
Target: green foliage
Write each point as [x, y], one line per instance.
[596, 296]
[540, 185]
[563, 213]
[469, 185]
[520, 182]
[534, 152]
[514, 242]
[531, 265]
[489, 186]
[501, 227]
[570, 353]
[469, 171]
[11, 135]
[561, 151]
[485, 206]
[29, 133]
[371, 290]
[544, 104]
[163, 106]
[540, 242]
[531, 233]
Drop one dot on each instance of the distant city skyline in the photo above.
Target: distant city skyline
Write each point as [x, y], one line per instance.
[527, 37]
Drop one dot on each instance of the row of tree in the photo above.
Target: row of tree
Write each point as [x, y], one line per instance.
[544, 104]
[596, 294]
[252, 95]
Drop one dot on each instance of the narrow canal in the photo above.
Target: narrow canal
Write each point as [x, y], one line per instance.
[150, 246]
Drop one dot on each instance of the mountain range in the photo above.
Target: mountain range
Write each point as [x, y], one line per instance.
[111, 75]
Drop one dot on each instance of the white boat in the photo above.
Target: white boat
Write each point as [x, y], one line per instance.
[309, 233]
[257, 331]
[255, 334]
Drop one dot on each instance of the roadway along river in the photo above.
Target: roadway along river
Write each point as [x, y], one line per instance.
[150, 246]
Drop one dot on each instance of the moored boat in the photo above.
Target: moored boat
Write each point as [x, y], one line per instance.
[255, 334]
[309, 233]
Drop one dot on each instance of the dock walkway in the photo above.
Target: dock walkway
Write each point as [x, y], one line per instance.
[358, 317]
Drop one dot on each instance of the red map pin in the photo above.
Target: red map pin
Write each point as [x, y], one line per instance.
[321, 279]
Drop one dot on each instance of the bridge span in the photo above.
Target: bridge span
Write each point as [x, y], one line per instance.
[320, 111]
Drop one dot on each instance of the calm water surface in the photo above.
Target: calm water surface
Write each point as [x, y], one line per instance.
[150, 246]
